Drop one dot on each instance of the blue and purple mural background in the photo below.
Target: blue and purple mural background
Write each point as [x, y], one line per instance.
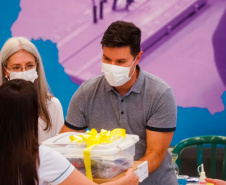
[184, 43]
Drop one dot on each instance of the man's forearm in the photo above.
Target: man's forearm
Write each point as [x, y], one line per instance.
[154, 160]
[66, 129]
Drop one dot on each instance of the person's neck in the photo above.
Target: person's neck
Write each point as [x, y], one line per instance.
[122, 90]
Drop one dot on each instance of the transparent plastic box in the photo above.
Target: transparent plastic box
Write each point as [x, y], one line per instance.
[107, 159]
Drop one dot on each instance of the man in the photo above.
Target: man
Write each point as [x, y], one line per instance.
[127, 97]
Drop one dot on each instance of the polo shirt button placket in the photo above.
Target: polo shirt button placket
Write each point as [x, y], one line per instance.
[122, 107]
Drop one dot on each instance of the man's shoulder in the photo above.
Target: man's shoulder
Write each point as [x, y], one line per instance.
[155, 81]
[92, 83]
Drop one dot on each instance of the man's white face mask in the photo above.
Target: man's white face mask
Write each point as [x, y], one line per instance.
[116, 75]
[29, 75]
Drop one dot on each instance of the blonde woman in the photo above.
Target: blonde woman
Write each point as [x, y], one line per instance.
[20, 59]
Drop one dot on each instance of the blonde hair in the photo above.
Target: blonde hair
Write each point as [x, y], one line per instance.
[14, 45]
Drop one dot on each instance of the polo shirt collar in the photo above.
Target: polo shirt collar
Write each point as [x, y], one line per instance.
[137, 85]
[107, 85]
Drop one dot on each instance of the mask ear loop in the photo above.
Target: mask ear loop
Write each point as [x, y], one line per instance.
[134, 67]
[7, 78]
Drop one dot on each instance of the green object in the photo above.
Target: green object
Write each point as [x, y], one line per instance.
[199, 141]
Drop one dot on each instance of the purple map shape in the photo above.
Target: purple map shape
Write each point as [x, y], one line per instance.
[219, 45]
[185, 61]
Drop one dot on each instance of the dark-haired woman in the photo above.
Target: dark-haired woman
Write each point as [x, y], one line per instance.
[22, 160]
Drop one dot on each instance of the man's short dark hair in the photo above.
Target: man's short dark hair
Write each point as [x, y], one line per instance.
[122, 34]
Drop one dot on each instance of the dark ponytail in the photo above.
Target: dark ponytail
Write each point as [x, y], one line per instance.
[19, 148]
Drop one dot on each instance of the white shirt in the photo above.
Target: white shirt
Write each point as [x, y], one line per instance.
[56, 117]
[53, 168]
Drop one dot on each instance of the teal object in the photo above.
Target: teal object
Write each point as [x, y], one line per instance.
[213, 140]
[182, 181]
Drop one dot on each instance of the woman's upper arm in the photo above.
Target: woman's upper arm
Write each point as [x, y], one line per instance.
[77, 178]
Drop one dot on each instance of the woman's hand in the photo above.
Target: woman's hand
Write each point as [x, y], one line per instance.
[215, 181]
[131, 177]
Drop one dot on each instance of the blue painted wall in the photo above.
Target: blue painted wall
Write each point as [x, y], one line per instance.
[191, 121]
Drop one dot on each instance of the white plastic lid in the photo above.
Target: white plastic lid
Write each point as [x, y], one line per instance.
[62, 143]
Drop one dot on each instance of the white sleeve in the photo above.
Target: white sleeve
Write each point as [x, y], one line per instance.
[56, 115]
[53, 168]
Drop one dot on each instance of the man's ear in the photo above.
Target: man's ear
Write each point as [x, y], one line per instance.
[139, 55]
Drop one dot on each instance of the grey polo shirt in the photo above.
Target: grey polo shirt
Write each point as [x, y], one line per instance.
[149, 104]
